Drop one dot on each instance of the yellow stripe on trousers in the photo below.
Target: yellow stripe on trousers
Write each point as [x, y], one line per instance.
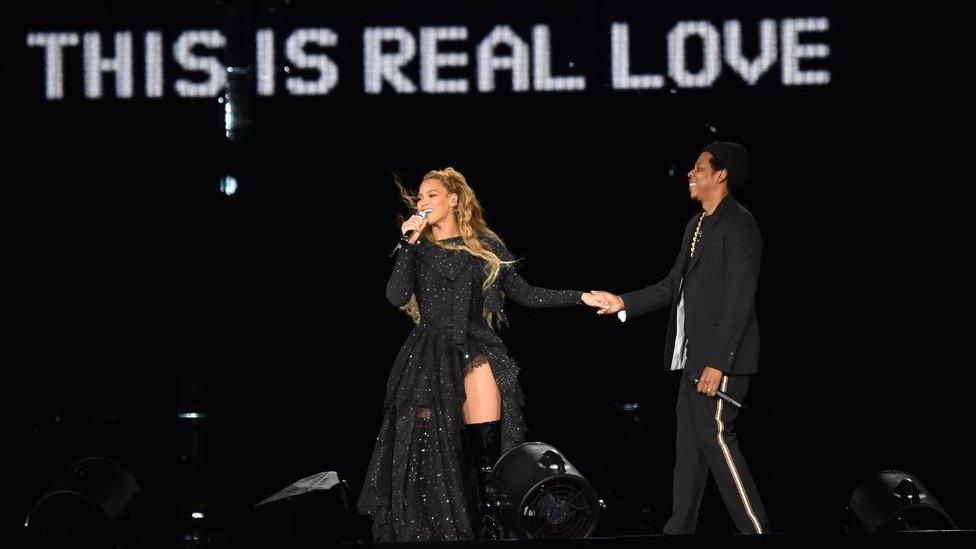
[728, 459]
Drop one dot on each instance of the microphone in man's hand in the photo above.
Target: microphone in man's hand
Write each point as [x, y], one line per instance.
[725, 397]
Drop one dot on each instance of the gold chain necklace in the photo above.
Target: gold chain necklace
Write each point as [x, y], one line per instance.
[697, 236]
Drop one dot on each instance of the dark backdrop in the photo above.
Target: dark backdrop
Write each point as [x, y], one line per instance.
[139, 290]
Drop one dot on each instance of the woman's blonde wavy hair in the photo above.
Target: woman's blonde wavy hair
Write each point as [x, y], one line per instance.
[471, 224]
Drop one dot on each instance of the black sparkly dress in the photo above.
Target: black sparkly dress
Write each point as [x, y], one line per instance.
[413, 487]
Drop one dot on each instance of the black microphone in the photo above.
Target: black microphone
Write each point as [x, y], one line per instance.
[406, 236]
[725, 397]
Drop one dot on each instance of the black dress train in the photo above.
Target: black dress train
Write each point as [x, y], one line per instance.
[413, 489]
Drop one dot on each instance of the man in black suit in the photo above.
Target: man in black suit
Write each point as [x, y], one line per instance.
[713, 337]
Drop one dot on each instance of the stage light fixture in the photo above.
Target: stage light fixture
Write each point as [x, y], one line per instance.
[896, 501]
[96, 503]
[539, 494]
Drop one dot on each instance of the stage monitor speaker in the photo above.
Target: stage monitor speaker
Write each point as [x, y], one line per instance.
[313, 510]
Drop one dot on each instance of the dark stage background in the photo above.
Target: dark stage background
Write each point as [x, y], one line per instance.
[140, 290]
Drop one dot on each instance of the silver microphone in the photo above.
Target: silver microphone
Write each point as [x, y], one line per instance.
[726, 398]
[422, 214]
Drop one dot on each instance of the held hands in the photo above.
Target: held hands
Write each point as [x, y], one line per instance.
[593, 300]
[605, 302]
[415, 224]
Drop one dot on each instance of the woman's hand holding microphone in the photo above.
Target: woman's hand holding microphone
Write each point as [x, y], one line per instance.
[414, 225]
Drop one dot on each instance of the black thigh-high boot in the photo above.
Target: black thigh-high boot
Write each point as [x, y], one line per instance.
[469, 481]
[484, 444]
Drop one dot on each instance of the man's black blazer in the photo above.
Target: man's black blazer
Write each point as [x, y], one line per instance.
[719, 284]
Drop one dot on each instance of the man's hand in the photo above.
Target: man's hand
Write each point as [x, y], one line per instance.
[710, 381]
[612, 302]
[593, 300]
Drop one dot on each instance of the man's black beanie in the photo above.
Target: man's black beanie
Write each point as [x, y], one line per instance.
[734, 158]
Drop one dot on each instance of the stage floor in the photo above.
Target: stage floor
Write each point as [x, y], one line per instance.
[903, 540]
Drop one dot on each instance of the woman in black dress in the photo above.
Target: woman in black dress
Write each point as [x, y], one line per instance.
[453, 403]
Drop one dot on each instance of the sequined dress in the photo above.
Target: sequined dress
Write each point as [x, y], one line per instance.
[413, 488]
